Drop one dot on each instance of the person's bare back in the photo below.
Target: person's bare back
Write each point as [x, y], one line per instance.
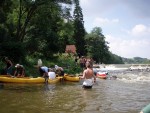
[88, 73]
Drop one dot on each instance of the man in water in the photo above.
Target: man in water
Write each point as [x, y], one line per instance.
[19, 71]
[88, 76]
[8, 67]
[44, 72]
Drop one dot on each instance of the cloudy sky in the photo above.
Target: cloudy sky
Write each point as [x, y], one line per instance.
[125, 24]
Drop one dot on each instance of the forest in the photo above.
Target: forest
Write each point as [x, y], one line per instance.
[42, 29]
[136, 60]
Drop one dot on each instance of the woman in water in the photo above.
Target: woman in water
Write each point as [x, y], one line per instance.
[88, 76]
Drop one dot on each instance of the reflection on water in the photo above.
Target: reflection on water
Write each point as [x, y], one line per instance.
[128, 94]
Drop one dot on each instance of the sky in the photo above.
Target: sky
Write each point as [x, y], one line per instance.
[124, 23]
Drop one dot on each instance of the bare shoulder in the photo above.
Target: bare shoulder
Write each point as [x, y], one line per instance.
[85, 71]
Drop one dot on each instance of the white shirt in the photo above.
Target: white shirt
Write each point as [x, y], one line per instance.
[51, 75]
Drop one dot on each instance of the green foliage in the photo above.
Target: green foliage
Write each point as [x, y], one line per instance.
[65, 32]
[96, 45]
[37, 24]
[63, 60]
[42, 28]
[13, 50]
[79, 30]
[114, 59]
[1, 66]
[3, 33]
[68, 63]
[136, 60]
[49, 31]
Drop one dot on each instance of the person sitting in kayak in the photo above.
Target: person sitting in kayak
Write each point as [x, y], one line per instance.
[88, 76]
[20, 71]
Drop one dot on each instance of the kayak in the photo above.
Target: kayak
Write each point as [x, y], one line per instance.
[53, 81]
[71, 78]
[101, 75]
[27, 80]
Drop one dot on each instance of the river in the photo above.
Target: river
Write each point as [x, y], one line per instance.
[129, 93]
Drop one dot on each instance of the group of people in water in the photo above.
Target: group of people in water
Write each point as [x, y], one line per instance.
[50, 72]
[46, 72]
[88, 74]
[85, 63]
[83, 60]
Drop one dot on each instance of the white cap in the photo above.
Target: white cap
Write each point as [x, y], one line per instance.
[21, 65]
[17, 65]
[56, 67]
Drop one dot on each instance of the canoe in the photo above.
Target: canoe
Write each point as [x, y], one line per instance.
[5, 75]
[27, 80]
[53, 81]
[71, 78]
[101, 75]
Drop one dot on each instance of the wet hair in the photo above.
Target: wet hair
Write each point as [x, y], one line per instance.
[6, 58]
[88, 65]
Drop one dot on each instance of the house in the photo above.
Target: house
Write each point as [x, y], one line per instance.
[70, 49]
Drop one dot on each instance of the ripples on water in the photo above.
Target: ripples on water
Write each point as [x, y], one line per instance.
[128, 94]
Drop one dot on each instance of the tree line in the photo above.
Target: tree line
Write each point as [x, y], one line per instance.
[42, 28]
[136, 60]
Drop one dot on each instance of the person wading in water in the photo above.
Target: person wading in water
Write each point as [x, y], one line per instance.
[88, 76]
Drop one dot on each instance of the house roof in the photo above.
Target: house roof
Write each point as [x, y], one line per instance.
[70, 49]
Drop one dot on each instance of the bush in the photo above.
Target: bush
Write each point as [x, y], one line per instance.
[68, 63]
[13, 50]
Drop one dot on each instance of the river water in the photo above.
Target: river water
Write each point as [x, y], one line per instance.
[129, 93]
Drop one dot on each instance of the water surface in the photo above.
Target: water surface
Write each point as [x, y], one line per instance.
[128, 94]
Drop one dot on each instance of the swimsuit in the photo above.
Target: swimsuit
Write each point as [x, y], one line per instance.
[88, 83]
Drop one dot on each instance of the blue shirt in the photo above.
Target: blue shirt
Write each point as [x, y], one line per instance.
[44, 68]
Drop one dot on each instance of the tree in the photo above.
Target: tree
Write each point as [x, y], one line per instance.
[79, 31]
[113, 59]
[5, 9]
[27, 9]
[65, 29]
[48, 30]
[96, 45]
[32, 24]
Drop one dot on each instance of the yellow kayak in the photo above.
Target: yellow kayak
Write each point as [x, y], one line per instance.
[52, 81]
[71, 78]
[27, 80]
